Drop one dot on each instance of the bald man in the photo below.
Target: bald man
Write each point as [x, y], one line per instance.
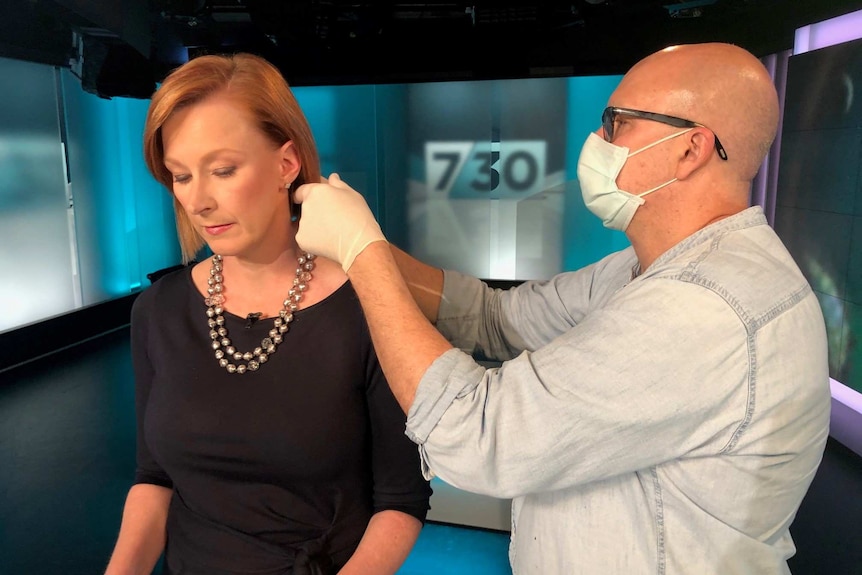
[662, 411]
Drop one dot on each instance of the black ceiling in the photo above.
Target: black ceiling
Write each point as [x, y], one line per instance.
[130, 44]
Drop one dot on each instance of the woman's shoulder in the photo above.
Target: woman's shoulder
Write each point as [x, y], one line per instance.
[165, 290]
[327, 279]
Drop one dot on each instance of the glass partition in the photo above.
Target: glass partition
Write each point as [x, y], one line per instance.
[39, 277]
[82, 220]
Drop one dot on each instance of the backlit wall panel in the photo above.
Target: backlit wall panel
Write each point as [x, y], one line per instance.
[819, 201]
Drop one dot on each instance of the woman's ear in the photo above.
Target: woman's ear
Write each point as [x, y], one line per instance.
[290, 162]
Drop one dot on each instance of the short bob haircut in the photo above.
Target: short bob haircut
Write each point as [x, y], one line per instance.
[250, 81]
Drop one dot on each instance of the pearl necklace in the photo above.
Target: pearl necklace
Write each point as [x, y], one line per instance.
[224, 350]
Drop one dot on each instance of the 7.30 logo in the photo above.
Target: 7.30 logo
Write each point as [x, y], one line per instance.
[481, 170]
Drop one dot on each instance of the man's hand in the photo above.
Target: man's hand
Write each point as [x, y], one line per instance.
[336, 222]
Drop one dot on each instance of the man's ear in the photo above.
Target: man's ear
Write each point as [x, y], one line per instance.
[701, 146]
[290, 162]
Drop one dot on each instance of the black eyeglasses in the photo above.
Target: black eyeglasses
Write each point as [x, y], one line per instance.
[610, 114]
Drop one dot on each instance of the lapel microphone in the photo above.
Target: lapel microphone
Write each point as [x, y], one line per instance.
[251, 318]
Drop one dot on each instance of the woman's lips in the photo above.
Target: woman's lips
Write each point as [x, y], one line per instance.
[217, 230]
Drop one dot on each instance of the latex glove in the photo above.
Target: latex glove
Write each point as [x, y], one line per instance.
[335, 221]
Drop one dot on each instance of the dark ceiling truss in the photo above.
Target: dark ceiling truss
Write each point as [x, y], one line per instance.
[134, 43]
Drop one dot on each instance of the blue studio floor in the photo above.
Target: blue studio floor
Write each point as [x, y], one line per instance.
[451, 550]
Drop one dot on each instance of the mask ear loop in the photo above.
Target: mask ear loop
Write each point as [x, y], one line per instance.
[656, 143]
[657, 188]
[665, 139]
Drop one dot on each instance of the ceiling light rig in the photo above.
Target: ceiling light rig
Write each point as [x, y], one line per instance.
[689, 9]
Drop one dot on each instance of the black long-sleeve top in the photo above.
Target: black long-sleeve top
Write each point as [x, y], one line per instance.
[291, 459]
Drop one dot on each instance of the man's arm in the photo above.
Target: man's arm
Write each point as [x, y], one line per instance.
[424, 282]
[406, 343]
[336, 223]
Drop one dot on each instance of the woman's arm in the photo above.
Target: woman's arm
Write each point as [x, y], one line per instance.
[400, 493]
[388, 539]
[142, 531]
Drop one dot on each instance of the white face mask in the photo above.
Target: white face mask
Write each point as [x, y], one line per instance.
[599, 165]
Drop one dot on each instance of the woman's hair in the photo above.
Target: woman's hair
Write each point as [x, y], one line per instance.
[253, 83]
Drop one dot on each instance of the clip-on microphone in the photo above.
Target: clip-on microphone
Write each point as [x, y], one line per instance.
[251, 318]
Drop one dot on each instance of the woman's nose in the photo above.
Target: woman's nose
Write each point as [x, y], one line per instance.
[196, 198]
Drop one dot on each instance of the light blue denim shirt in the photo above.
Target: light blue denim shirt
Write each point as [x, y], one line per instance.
[667, 423]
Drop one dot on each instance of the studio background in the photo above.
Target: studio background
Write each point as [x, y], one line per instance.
[475, 175]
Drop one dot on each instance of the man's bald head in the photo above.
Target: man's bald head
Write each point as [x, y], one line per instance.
[721, 86]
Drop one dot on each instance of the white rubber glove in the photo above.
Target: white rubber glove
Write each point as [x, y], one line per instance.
[336, 222]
